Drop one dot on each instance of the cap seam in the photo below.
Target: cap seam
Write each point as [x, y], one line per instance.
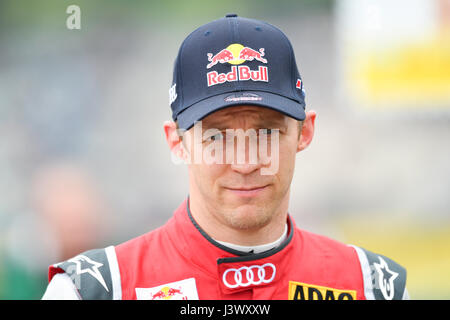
[291, 52]
[180, 55]
[234, 23]
[179, 71]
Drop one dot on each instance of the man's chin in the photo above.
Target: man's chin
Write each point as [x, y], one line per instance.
[248, 216]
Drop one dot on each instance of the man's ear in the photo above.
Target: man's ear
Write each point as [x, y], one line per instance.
[174, 140]
[307, 131]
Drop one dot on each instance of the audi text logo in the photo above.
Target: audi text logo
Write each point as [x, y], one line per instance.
[246, 276]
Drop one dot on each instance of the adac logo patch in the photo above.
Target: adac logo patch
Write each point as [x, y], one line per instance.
[236, 54]
[304, 291]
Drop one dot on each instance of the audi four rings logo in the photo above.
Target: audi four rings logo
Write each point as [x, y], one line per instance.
[246, 276]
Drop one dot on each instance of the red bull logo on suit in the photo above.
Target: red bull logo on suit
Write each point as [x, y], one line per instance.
[179, 290]
[236, 54]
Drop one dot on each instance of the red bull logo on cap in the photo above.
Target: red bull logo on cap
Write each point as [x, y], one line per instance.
[236, 54]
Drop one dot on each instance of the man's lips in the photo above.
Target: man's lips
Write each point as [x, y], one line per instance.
[247, 191]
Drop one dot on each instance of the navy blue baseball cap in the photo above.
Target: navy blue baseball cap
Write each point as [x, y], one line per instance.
[235, 61]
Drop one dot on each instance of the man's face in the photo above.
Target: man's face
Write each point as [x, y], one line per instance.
[236, 192]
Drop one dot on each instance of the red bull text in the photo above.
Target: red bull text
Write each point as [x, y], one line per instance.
[237, 54]
[241, 73]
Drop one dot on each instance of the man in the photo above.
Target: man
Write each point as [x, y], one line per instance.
[239, 120]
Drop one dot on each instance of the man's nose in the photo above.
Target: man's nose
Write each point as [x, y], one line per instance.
[246, 162]
[245, 168]
[246, 158]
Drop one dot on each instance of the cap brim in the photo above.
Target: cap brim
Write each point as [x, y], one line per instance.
[203, 108]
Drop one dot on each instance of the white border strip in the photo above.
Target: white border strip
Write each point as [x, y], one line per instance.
[115, 272]
[367, 277]
[406, 295]
[61, 287]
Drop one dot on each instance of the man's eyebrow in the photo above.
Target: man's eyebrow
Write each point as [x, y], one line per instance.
[273, 123]
[214, 125]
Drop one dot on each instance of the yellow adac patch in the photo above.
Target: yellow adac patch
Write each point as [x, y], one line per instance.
[305, 291]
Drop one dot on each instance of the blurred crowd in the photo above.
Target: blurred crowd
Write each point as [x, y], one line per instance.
[65, 216]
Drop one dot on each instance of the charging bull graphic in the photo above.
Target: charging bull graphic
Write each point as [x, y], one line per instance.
[236, 54]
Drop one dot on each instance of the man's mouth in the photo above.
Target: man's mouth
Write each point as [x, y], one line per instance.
[247, 191]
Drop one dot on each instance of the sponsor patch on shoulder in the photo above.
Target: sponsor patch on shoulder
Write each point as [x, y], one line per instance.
[179, 290]
[305, 291]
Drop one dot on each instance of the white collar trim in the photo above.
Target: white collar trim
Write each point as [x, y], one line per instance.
[258, 248]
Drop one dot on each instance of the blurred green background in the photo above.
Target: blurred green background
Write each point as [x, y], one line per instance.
[83, 161]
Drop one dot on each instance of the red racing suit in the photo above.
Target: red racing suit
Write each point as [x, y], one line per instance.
[180, 261]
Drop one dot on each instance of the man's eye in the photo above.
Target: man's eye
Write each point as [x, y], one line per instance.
[217, 136]
[266, 131]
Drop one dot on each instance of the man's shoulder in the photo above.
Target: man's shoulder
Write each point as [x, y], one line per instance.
[95, 273]
[318, 244]
[383, 278]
